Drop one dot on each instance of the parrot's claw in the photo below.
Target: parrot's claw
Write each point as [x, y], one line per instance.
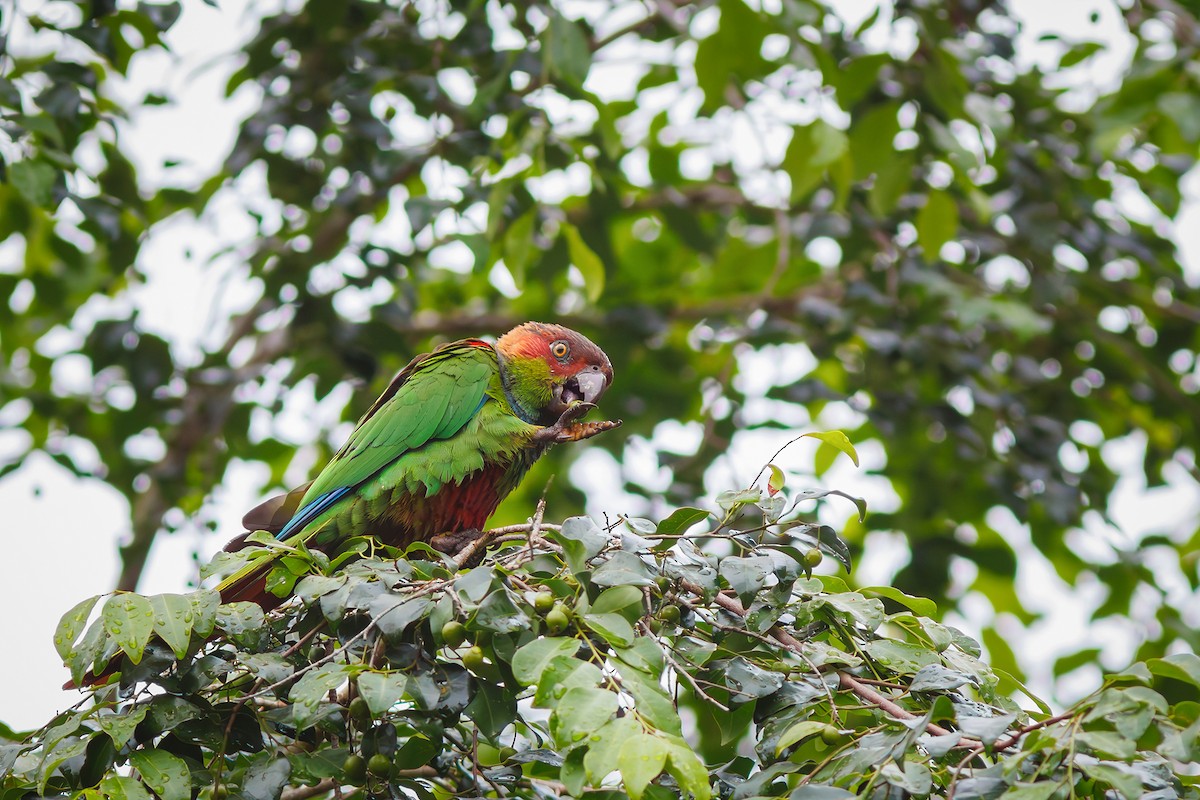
[453, 542]
[566, 429]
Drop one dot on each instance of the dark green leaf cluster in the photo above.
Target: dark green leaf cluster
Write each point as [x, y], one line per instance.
[683, 658]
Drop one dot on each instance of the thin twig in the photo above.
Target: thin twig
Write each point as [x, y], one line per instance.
[679, 670]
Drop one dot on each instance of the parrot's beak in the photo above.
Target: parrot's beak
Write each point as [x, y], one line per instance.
[587, 386]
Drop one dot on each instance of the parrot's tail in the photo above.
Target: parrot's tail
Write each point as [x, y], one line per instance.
[250, 582]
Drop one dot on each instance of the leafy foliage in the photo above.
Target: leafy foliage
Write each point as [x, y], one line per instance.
[688, 658]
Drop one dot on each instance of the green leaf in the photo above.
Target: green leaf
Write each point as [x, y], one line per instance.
[732, 53]
[1042, 790]
[498, 613]
[1109, 743]
[891, 183]
[492, 709]
[747, 680]
[120, 726]
[573, 773]
[918, 605]
[581, 711]
[813, 149]
[813, 791]
[733, 499]
[604, 747]
[266, 778]
[653, 704]
[381, 690]
[394, 613]
[123, 787]
[823, 537]
[34, 180]
[311, 691]
[776, 481]
[681, 519]
[837, 439]
[71, 625]
[581, 540]
[1079, 53]
[900, 657]
[937, 223]
[1180, 666]
[66, 749]
[173, 616]
[624, 600]
[623, 569]
[615, 629]
[204, 605]
[586, 261]
[746, 576]
[644, 655]
[914, 777]
[167, 775]
[529, 661]
[240, 617]
[1114, 774]
[871, 138]
[797, 733]
[561, 674]
[129, 620]
[866, 611]
[641, 760]
[416, 752]
[688, 771]
[936, 678]
[567, 53]
[986, 729]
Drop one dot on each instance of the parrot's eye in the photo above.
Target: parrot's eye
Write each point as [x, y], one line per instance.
[560, 349]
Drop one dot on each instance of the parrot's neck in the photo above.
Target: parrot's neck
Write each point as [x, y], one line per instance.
[526, 383]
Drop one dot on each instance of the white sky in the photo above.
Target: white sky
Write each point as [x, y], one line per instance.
[49, 513]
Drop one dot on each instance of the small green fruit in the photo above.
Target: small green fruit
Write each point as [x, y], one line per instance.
[670, 613]
[543, 602]
[832, 736]
[813, 557]
[380, 765]
[220, 792]
[454, 633]
[360, 712]
[355, 769]
[662, 582]
[557, 620]
[473, 658]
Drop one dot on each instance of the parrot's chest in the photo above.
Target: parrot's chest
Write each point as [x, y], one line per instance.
[462, 505]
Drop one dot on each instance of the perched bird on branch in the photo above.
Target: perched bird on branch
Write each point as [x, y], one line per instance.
[451, 437]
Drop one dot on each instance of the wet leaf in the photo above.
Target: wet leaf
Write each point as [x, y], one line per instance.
[129, 620]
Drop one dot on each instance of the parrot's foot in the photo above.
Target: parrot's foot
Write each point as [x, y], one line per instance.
[453, 542]
[567, 429]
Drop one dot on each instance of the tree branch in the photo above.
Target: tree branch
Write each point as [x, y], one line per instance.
[845, 679]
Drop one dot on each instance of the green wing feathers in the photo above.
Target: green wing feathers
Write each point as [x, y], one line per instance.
[440, 396]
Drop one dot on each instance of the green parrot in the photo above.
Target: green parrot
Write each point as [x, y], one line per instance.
[454, 433]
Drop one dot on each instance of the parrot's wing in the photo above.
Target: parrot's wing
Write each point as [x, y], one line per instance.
[433, 398]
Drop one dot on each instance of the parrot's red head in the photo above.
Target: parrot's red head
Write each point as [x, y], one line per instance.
[548, 367]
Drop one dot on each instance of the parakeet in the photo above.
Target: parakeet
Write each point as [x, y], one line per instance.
[455, 432]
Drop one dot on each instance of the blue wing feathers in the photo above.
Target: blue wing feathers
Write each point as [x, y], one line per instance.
[312, 511]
